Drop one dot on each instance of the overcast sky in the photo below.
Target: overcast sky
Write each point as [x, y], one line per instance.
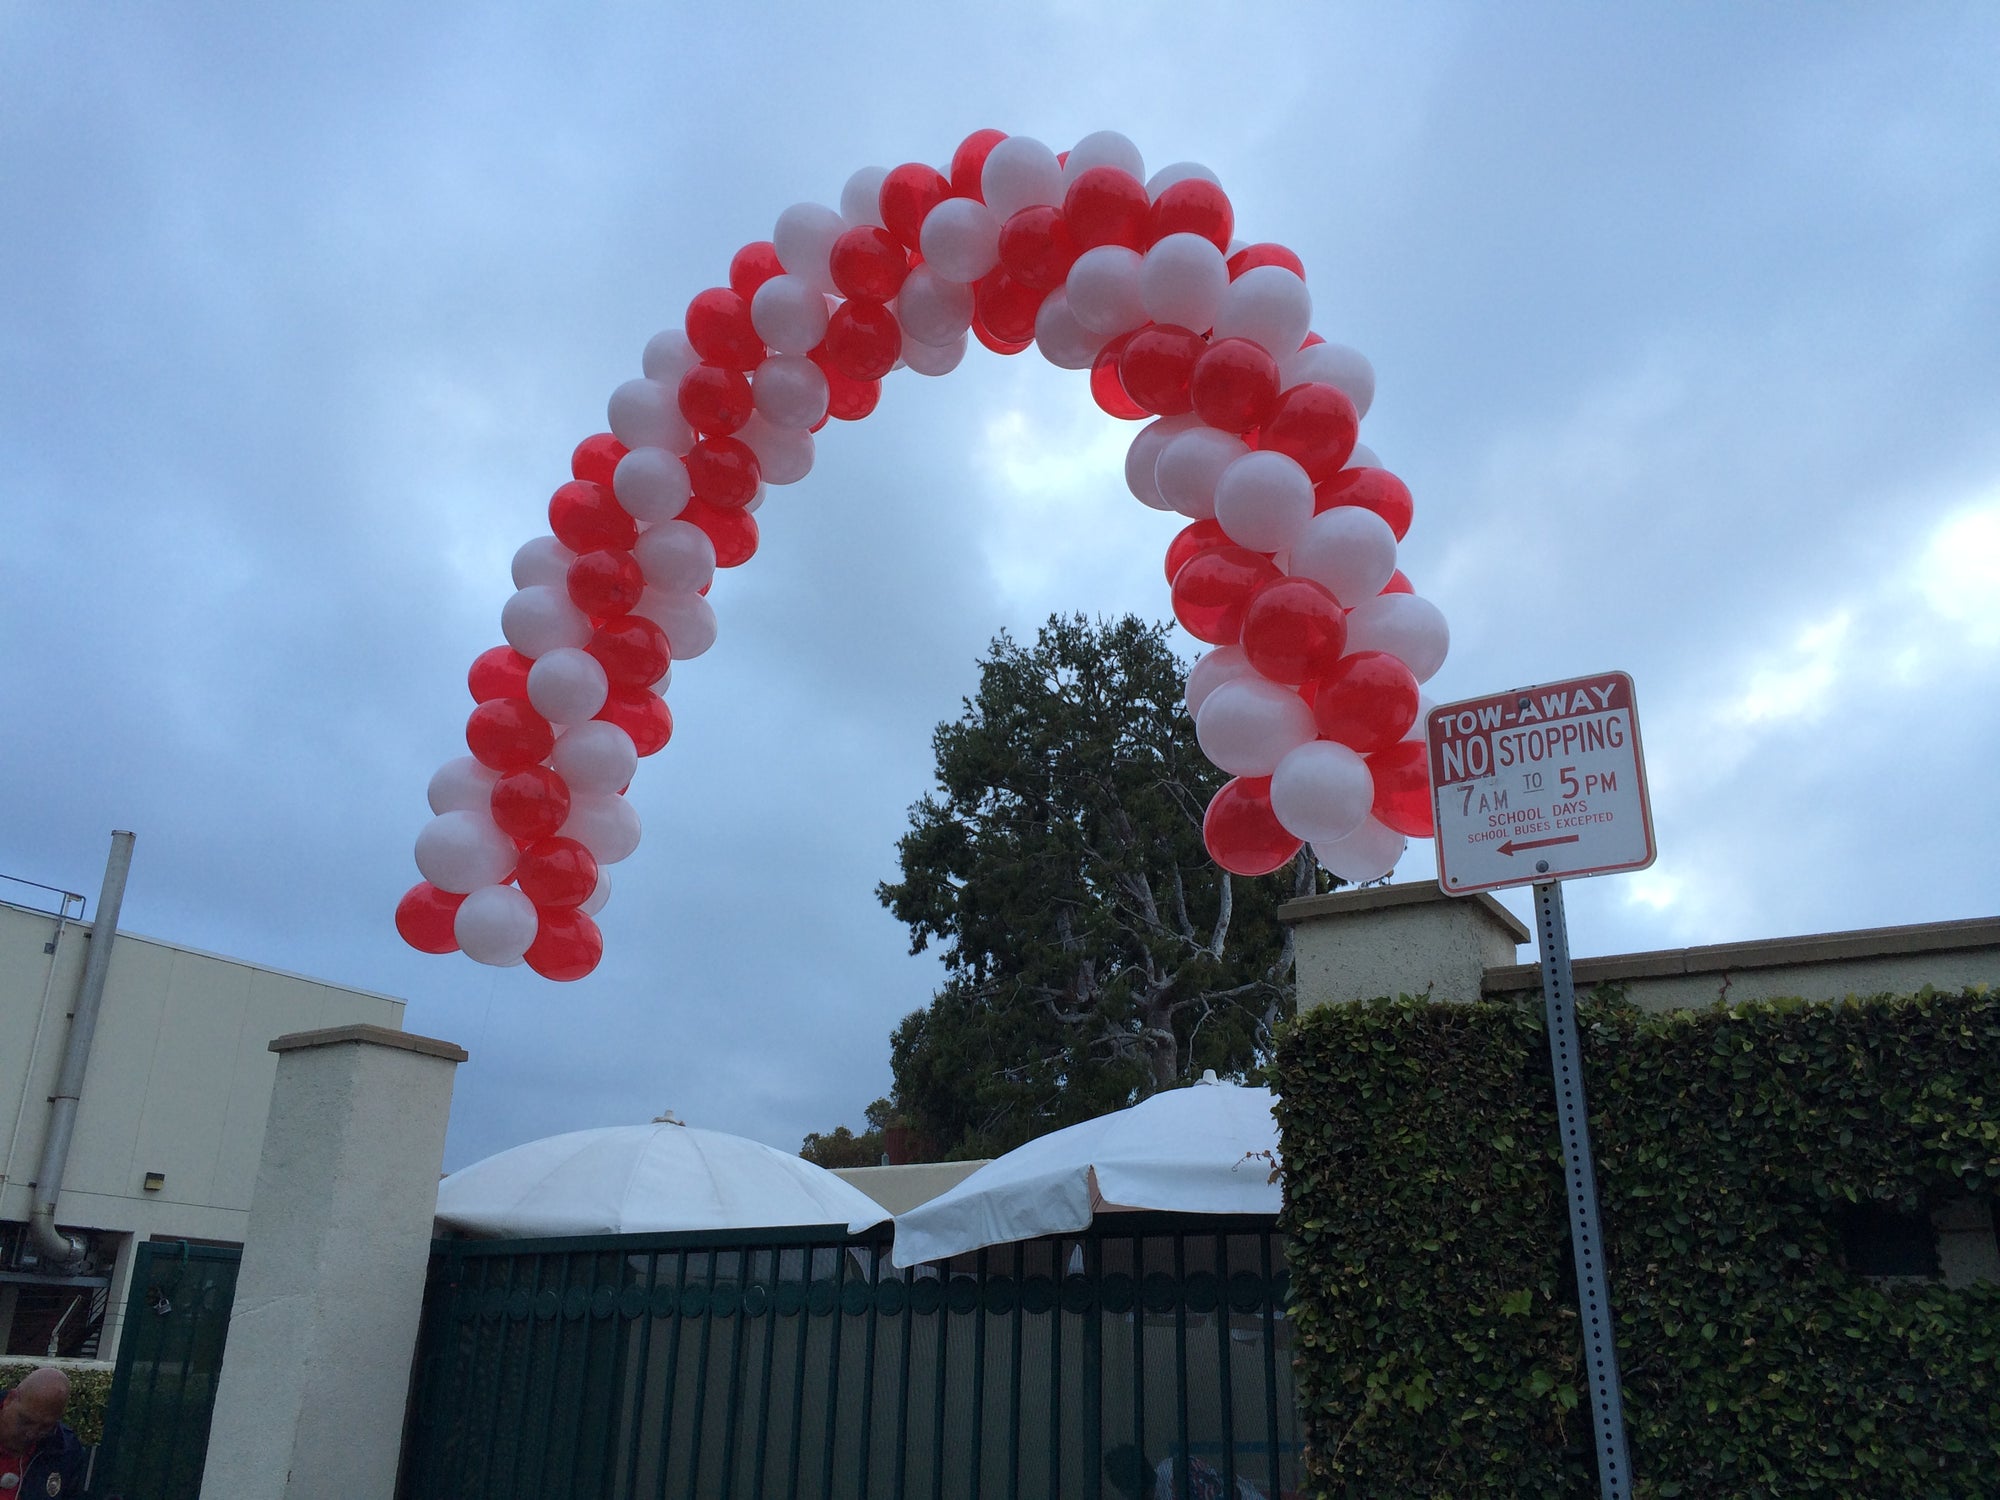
[1687, 327]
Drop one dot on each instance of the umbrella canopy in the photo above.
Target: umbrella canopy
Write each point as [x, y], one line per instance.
[1211, 1148]
[631, 1179]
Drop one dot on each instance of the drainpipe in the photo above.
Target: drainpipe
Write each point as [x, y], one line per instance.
[63, 1248]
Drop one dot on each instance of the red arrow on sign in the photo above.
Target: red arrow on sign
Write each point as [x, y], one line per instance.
[1511, 847]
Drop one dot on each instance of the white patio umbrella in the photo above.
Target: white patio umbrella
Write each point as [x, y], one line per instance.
[630, 1179]
[1211, 1148]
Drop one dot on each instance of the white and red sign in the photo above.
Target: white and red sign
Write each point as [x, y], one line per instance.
[1542, 783]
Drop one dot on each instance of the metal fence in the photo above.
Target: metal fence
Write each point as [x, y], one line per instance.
[1150, 1351]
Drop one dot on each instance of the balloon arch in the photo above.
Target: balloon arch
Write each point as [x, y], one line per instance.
[1309, 699]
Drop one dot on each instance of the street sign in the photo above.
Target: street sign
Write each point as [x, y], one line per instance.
[1539, 784]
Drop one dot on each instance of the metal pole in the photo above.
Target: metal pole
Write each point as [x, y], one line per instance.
[1607, 1405]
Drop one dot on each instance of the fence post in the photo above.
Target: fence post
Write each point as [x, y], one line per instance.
[316, 1373]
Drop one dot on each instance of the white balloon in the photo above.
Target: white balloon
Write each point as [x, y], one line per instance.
[930, 359]
[567, 685]
[790, 390]
[1269, 305]
[1179, 171]
[804, 239]
[1336, 365]
[1322, 792]
[651, 484]
[675, 556]
[789, 314]
[1020, 172]
[1103, 289]
[931, 309]
[647, 414]
[1143, 457]
[541, 618]
[594, 902]
[462, 785]
[668, 356]
[604, 823]
[494, 925]
[461, 851]
[595, 757]
[784, 454]
[1421, 729]
[1192, 465]
[1363, 457]
[1064, 342]
[1348, 550]
[1181, 281]
[961, 238]
[1409, 628]
[1223, 664]
[687, 618]
[1263, 500]
[1247, 725]
[1103, 148]
[861, 197]
[1368, 853]
[542, 559]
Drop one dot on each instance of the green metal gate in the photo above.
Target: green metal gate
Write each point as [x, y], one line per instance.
[169, 1358]
[798, 1363]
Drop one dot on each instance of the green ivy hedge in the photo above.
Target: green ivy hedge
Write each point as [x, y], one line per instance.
[1434, 1303]
[89, 1390]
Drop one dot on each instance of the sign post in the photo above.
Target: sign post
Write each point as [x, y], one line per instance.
[1531, 787]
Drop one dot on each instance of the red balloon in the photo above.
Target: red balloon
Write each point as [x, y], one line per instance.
[1006, 307]
[1311, 338]
[508, 735]
[714, 400]
[424, 917]
[596, 457]
[530, 803]
[1105, 386]
[1371, 489]
[734, 532]
[1036, 248]
[1157, 364]
[1293, 629]
[752, 266]
[723, 471]
[1107, 206]
[1234, 385]
[1265, 254]
[1314, 424]
[632, 650]
[1367, 702]
[498, 672]
[604, 584]
[585, 516]
[1403, 789]
[1399, 583]
[567, 944]
[1193, 205]
[994, 342]
[718, 325]
[556, 872]
[1194, 539]
[909, 193]
[863, 339]
[969, 160]
[643, 715]
[1242, 833]
[1212, 590]
[868, 265]
[847, 399]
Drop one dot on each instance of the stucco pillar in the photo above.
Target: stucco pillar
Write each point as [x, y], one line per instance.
[1399, 940]
[316, 1372]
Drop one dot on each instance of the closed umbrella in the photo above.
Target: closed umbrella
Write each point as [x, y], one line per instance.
[634, 1179]
[1211, 1148]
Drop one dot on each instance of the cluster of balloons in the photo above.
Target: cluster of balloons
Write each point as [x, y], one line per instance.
[1309, 699]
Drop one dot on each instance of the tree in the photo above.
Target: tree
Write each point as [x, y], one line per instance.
[1094, 952]
[841, 1147]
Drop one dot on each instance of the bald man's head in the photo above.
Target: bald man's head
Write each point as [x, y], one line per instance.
[33, 1408]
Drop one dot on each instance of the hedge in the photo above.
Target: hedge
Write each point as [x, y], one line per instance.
[89, 1390]
[1434, 1300]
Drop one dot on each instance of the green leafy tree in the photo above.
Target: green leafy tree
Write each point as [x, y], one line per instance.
[841, 1147]
[1094, 952]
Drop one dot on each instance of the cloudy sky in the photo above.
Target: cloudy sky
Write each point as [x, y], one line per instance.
[1686, 320]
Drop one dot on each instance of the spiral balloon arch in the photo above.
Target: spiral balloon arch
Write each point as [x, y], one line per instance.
[1309, 696]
